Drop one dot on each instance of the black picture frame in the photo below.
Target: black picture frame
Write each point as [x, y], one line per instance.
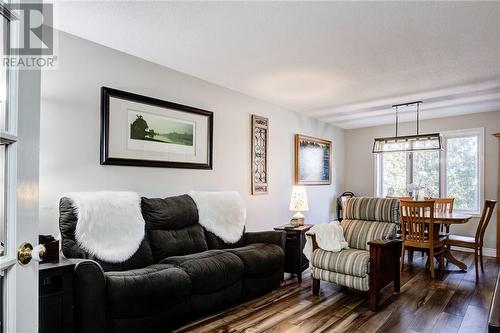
[105, 159]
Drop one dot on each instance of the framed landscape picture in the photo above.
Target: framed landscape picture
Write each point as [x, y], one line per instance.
[312, 161]
[143, 131]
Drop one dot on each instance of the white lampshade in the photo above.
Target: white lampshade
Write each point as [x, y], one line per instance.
[298, 202]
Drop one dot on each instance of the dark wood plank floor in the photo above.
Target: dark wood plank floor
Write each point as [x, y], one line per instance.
[453, 304]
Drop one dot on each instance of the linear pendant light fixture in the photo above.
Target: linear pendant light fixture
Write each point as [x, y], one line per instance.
[417, 142]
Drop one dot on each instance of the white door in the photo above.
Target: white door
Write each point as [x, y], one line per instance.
[19, 155]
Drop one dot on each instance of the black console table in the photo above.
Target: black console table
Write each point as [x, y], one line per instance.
[295, 261]
[56, 297]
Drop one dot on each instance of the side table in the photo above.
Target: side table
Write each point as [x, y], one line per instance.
[295, 261]
[56, 297]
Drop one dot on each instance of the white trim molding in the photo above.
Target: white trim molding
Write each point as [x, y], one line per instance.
[487, 251]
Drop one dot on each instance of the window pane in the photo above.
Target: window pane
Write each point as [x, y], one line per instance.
[462, 182]
[2, 198]
[394, 174]
[426, 172]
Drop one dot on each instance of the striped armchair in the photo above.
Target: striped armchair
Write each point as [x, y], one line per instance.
[373, 258]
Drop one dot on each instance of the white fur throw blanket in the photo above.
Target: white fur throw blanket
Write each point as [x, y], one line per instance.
[221, 213]
[110, 224]
[330, 237]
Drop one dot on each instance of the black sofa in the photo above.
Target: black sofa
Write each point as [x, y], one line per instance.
[180, 271]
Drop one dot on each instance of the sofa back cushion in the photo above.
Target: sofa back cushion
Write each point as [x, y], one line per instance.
[71, 249]
[372, 209]
[367, 219]
[172, 226]
[214, 242]
[358, 233]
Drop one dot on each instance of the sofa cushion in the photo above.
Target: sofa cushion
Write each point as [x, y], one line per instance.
[348, 261]
[215, 242]
[260, 259]
[169, 213]
[145, 291]
[372, 209]
[358, 232]
[71, 249]
[209, 271]
[172, 226]
[350, 281]
[167, 243]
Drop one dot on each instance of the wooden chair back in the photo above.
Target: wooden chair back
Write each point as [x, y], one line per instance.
[489, 206]
[442, 205]
[414, 228]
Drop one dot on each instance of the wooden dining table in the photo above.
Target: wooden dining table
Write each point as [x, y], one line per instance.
[450, 219]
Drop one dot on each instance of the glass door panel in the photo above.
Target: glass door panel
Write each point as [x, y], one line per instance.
[4, 46]
[3, 216]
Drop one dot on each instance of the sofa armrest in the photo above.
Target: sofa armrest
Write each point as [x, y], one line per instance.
[269, 237]
[90, 297]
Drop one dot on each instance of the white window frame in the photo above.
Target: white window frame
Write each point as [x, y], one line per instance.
[479, 132]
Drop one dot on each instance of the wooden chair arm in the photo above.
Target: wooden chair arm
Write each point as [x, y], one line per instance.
[385, 256]
[312, 237]
[385, 243]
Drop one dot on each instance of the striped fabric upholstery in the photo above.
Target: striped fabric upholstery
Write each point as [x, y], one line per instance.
[365, 219]
[349, 261]
[372, 209]
[358, 233]
[350, 281]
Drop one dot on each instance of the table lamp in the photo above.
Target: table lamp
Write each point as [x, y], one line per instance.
[298, 203]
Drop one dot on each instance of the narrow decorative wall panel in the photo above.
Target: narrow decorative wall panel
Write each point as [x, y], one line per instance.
[260, 141]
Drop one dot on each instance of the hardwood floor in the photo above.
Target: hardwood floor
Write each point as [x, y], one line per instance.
[454, 304]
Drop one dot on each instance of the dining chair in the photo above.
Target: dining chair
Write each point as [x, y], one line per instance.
[476, 242]
[410, 252]
[442, 205]
[418, 232]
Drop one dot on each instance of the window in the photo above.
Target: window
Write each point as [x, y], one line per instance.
[456, 171]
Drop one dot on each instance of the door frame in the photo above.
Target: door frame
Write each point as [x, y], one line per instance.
[9, 260]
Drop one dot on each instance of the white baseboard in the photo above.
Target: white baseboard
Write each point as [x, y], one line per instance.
[487, 251]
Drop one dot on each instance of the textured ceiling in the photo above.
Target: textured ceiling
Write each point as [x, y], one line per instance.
[342, 62]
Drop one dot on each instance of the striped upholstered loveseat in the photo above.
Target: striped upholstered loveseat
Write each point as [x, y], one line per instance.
[373, 258]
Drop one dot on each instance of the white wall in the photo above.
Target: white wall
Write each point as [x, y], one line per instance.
[69, 152]
[360, 165]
